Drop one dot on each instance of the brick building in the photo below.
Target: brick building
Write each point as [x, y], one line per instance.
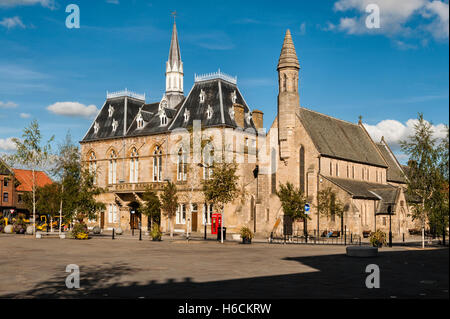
[14, 184]
[132, 145]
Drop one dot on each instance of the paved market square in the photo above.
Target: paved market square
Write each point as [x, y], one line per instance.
[129, 268]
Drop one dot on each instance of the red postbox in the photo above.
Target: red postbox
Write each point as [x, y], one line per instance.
[216, 223]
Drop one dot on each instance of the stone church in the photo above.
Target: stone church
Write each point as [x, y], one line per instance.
[133, 145]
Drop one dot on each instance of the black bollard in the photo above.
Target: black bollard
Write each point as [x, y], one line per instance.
[140, 233]
[403, 237]
[351, 238]
[345, 235]
[113, 234]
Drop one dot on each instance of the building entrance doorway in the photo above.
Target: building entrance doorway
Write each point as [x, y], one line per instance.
[135, 216]
[194, 218]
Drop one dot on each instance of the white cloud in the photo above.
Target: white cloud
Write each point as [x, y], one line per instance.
[25, 115]
[394, 131]
[15, 3]
[14, 22]
[439, 26]
[430, 17]
[7, 105]
[73, 109]
[6, 144]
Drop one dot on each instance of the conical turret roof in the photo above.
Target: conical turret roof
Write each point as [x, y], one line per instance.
[174, 53]
[288, 56]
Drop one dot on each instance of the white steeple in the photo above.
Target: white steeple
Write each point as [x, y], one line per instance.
[174, 71]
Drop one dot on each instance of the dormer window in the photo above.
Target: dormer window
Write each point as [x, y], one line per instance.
[110, 110]
[96, 127]
[115, 124]
[209, 112]
[140, 121]
[231, 110]
[186, 115]
[233, 97]
[248, 117]
[163, 104]
[163, 118]
[202, 96]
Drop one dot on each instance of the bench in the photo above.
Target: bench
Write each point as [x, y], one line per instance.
[40, 234]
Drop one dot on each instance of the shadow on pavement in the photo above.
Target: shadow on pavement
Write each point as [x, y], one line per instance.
[404, 274]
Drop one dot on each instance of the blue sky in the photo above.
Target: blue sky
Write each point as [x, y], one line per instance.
[387, 75]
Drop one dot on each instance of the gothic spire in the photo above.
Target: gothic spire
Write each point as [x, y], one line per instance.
[288, 56]
[174, 53]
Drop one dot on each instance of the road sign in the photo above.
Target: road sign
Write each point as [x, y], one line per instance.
[307, 209]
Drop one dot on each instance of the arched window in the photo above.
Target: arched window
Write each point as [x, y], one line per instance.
[163, 118]
[112, 169]
[208, 160]
[285, 80]
[302, 169]
[140, 121]
[157, 164]
[181, 165]
[93, 166]
[134, 166]
[273, 170]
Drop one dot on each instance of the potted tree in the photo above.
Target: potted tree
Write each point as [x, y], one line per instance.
[246, 235]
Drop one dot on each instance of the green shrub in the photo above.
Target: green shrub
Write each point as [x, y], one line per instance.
[156, 233]
[378, 238]
[245, 232]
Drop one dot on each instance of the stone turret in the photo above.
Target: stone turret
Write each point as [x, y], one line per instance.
[288, 97]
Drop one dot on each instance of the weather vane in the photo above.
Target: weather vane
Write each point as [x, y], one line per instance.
[174, 14]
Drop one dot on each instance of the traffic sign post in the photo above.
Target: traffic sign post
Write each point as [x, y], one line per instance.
[307, 209]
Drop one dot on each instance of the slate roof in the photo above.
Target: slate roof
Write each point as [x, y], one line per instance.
[218, 95]
[174, 52]
[386, 194]
[340, 139]
[395, 172]
[105, 121]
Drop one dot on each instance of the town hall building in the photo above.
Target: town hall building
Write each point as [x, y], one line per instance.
[133, 145]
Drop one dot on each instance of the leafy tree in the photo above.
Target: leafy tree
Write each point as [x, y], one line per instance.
[169, 203]
[32, 154]
[293, 203]
[85, 204]
[47, 199]
[423, 172]
[78, 189]
[151, 207]
[67, 169]
[222, 188]
[439, 210]
[329, 205]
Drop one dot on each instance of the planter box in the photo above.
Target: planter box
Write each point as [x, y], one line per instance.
[236, 237]
[246, 241]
